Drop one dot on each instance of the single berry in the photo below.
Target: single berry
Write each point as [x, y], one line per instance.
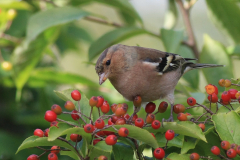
[225, 145]
[238, 150]
[75, 115]
[126, 116]
[162, 107]
[139, 122]
[113, 107]
[226, 96]
[215, 150]
[55, 149]
[76, 95]
[194, 156]
[50, 116]
[38, 132]
[88, 128]
[182, 117]
[213, 98]
[100, 101]
[202, 126]
[227, 83]
[232, 93]
[111, 140]
[120, 111]
[93, 101]
[134, 118]
[57, 109]
[237, 95]
[156, 124]
[105, 107]
[46, 131]
[123, 132]
[178, 108]
[114, 118]
[150, 107]
[95, 141]
[191, 101]
[125, 106]
[210, 89]
[234, 146]
[6, 66]
[159, 153]
[110, 121]
[99, 124]
[102, 158]
[224, 102]
[137, 101]
[221, 82]
[100, 133]
[216, 89]
[33, 157]
[153, 135]
[150, 118]
[231, 153]
[169, 135]
[75, 137]
[52, 156]
[69, 105]
[54, 123]
[120, 121]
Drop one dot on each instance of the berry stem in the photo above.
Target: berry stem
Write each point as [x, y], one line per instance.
[235, 84]
[99, 112]
[99, 137]
[166, 145]
[114, 128]
[207, 109]
[66, 122]
[79, 108]
[131, 117]
[42, 154]
[97, 130]
[210, 102]
[224, 105]
[223, 157]
[201, 116]
[231, 106]
[205, 157]
[192, 107]
[91, 115]
[216, 108]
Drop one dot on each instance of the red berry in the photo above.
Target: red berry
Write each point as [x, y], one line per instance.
[137, 101]
[99, 124]
[100, 133]
[55, 149]
[111, 140]
[88, 128]
[69, 105]
[231, 153]
[100, 101]
[162, 107]
[33, 157]
[178, 108]
[113, 107]
[123, 132]
[126, 116]
[54, 123]
[224, 102]
[150, 118]
[120, 121]
[95, 141]
[74, 115]
[225, 145]
[191, 101]
[102, 158]
[52, 156]
[107, 133]
[105, 107]
[121, 109]
[50, 116]
[216, 89]
[139, 122]
[226, 96]
[46, 132]
[150, 107]
[156, 124]
[159, 153]
[232, 93]
[38, 132]
[93, 101]
[153, 135]
[134, 117]
[76, 95]
[210, 89]
[57, 109]
[213, 98]
[194, 156]
[75, 137]
[169, 135]
[215, 150]
[110, 121]
[182, 117]
[234, 146]
[202, 126]
[114, 118]
[238, 150]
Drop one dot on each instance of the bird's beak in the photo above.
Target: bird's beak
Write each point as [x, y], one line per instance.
[103, 77]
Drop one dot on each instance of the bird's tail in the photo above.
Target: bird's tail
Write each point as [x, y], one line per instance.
[190, 66]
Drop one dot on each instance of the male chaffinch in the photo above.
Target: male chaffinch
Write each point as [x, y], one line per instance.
[145, 72]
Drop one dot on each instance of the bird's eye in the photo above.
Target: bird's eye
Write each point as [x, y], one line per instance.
[108, 62]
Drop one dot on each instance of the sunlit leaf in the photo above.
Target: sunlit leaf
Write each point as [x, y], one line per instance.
[171, 15]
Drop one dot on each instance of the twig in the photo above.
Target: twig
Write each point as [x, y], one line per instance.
[224, 157]
[191, 39]
[66, 122]
[90, 115]
[101, 129]
[231, 106]
[224, 105]
[99, 112]
[201, 116]
[192, 107]
[207, 109]
[216, 108]
[205, 157]
[102, 21]
[166, 145]
[235, 84]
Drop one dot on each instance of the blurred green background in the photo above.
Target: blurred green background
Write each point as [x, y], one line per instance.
[48, 45]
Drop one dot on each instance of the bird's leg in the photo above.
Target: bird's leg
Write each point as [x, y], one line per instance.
[170, 119]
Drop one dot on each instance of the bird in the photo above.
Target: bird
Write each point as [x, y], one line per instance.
[149, 73]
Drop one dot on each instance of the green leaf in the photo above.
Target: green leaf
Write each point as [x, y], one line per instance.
[177, 141]
[52, 17]
[171, 39]
[35, 141]
[45, 76]
[111, 38]
[182, 127]
[208, 55]
[188, 143]
[64, 129]
[15, 5]
[234, 50]
[101, 148]
[139, 134]
[171, 15]
[175, 156]
[223, 14]
[228, 126]
[122, 152]
[234, 81]
[69, 153]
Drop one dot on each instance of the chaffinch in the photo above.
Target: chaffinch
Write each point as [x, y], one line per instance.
[145, 72]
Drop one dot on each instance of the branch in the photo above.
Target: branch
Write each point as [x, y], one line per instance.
[102, 21]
